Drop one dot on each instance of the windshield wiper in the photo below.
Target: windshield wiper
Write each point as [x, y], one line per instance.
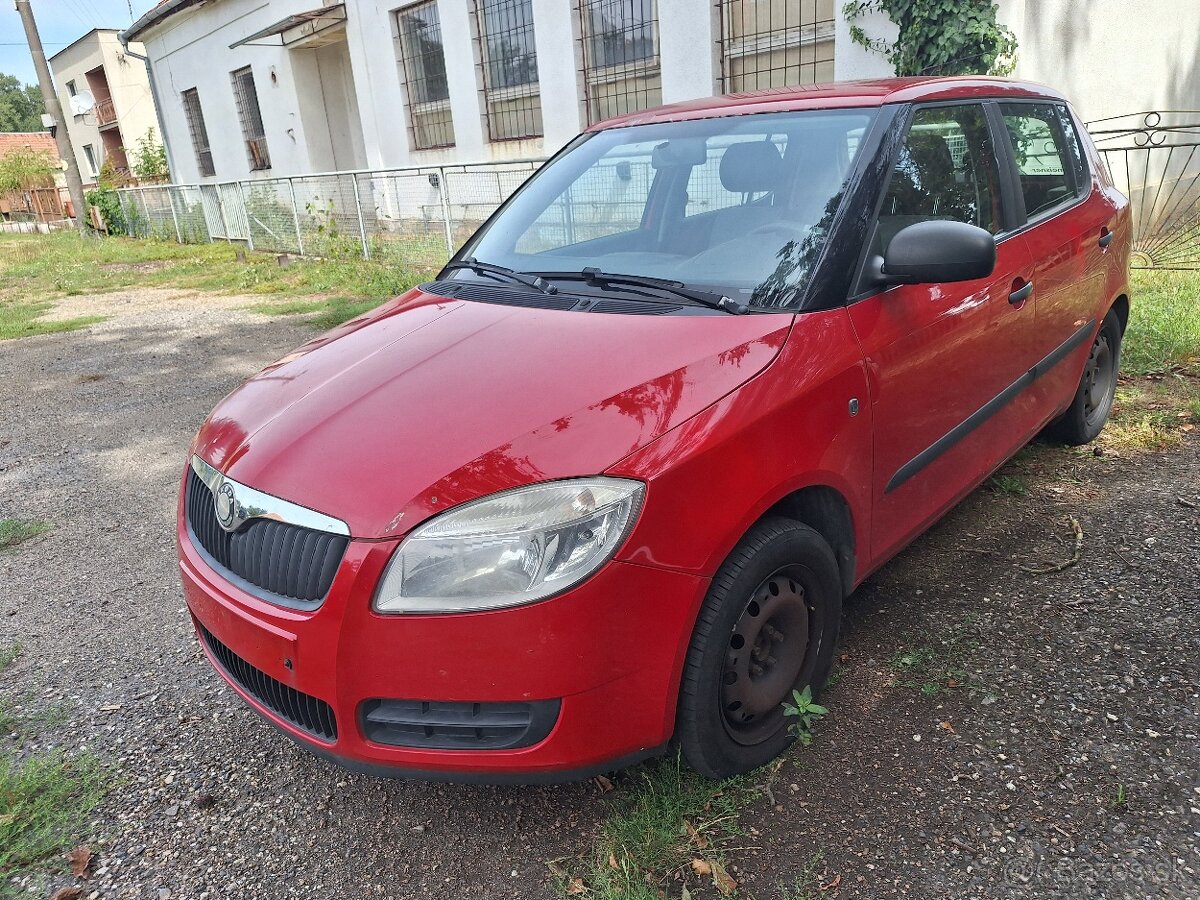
[501, 272]
[595, 278]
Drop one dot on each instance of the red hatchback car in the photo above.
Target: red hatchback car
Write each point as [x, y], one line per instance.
[603, 484]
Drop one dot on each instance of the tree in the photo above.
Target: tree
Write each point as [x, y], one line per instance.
[150, 158]
[21, 105]
[23, 168]
[939, 37]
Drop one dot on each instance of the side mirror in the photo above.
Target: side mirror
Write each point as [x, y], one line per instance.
[938, 251]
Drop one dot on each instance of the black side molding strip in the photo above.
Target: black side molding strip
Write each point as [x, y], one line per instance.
[989, 409]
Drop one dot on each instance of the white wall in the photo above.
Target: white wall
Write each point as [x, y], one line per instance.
[1110, 57]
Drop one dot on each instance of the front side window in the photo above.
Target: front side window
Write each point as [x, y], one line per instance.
[512, 99]
[198, 131]
[946, 169]
[620, 56]
[776, 43]
[741, 205]
[250, 116]
[424, 63]
[1048, 166]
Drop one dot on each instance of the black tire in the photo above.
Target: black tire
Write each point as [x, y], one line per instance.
[782, 577]
[1093, 400]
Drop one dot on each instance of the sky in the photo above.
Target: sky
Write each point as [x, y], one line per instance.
[60, 22]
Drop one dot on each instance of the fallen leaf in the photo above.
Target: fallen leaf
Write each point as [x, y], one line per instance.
[837, 879]
[68, 893]
[80, 859]
[612, 861]
[576, 887]
[697, 838]
[604, 783]
[1188, 427]
[946, 726]
[722, 880]
[700, 867]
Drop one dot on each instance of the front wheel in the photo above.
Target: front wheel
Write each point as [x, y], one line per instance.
[1093, 400]
[768, 626]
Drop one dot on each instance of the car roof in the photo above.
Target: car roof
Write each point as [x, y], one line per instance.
[836, 95]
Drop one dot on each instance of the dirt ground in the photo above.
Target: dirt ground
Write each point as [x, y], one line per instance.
[994, 732]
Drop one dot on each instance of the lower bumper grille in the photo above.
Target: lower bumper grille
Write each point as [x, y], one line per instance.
[304, 711]
[434, 725]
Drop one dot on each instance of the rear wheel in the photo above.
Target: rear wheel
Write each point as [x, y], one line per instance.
[1093, 401]
[767, 627]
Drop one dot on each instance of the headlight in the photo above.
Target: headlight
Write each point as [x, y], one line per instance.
[511, 548]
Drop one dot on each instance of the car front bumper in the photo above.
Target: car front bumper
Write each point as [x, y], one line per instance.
[608, 653]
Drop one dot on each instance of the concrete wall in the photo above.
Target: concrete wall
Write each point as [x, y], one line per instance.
[1110, 57]
[127, 84]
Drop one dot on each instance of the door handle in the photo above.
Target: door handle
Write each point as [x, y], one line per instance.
[1106, 238]
[1021, 294]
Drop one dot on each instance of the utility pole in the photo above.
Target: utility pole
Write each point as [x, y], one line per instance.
[54, 109]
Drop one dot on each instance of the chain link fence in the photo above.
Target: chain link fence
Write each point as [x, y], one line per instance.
[418, 215]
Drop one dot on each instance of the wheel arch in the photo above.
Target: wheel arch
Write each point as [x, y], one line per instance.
[826, 511]
[1121, 307]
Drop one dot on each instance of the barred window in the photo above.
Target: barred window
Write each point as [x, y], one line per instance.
[620, 56]
[195, 120]
[246, 96]
[775, 43]
[512, 101]
[419, 30]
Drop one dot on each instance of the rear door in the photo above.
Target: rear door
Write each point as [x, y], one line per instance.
[941, 356]
[1069, 222]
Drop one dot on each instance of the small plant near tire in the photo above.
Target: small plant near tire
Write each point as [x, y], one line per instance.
[803, 713]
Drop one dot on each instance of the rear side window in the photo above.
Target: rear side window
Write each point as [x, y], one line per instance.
[1047, 152]
[946, 170]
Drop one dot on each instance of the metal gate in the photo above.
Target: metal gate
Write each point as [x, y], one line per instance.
[225, 211]
[1154, 158]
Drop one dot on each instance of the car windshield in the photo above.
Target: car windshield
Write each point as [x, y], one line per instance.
[740, 205]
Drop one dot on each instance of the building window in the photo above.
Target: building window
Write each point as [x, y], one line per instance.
[775, 43]
[510, 79]
[419, 31]
[195, 120]
[89, 153]
[71, 89]
[620, 56]
[246, 96]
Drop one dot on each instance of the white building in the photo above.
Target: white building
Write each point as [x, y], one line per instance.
[121, 104]
[266, 88]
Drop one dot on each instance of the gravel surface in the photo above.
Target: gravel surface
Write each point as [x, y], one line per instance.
[1073, 686]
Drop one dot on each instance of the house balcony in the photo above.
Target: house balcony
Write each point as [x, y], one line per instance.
[106, 113]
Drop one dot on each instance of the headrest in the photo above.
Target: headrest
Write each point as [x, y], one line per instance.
[751, 167]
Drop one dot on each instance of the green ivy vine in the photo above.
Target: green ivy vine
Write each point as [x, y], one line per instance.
[939, 37]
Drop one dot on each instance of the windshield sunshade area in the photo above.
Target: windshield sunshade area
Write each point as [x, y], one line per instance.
[739, 206]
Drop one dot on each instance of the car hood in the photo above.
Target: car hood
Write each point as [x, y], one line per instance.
[426, 402]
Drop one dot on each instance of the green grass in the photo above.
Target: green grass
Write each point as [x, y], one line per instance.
[1164, 323]
[8, 656]
[44, 803]
[35, 269]
[17, 531]
[806, 885]
[938, 667]
[1009, 484]
[668, 817]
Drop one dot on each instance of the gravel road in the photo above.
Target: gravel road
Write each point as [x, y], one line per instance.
[1063, 763]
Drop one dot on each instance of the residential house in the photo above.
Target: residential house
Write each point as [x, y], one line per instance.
[106, 99]
[44, 203]
[266, 88]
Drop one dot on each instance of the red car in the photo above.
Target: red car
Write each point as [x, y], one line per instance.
[602, 485]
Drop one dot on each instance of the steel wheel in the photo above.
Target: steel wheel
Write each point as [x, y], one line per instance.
[767, 654]
[1099, 380]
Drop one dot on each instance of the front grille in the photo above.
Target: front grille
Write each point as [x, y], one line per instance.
[443, 725]
[287, 560]
[304, 711]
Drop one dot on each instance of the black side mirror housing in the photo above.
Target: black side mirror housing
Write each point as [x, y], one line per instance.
[938, 251]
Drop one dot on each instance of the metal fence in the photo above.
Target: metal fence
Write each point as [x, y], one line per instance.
[418, 215]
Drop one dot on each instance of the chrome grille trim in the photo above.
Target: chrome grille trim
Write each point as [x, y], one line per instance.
[251, 504]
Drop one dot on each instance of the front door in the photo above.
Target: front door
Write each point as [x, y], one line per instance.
[943, 357]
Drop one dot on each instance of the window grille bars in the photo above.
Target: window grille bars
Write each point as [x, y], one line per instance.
[250, 116]
[511, 98]
[775, 43]
[199, 133]
[423, 60]
[621, 72]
